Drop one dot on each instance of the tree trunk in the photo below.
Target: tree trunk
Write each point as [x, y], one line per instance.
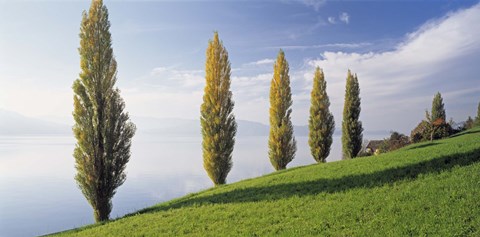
[102, 211]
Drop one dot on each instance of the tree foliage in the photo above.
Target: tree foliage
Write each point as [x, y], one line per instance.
[430, 129]
[395, 141]
[321, 124]
[469, 123]
[420, 133]
[281, 143]
[434, 123]
[439, 128]
[351, 126]
[102, 129]
[438, 108]
[217, 119]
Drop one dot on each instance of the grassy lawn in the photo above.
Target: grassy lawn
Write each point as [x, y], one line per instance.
[426, 189]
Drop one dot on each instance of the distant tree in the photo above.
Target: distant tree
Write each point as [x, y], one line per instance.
[477, 119]
[469, 123]
[395, 141]
[438, 108]
[435, 125]
[281, 143]
[351, 126]
[217, 119]
[102, 129]
[321, 124]
[439, 128]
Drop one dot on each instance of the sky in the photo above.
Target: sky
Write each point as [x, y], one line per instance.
[403, 52]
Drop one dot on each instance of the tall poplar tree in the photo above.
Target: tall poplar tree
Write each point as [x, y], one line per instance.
[102, 129]
[321, 124]
[217, 119]
[282, 144]
[351, 127]
[438, 108]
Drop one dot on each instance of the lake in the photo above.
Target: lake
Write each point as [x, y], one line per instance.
[38, 193]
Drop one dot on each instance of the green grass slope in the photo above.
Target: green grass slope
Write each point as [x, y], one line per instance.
[427, 189]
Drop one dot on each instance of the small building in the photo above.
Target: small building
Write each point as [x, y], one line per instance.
[373, 146]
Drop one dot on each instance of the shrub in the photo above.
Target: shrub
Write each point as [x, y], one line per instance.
[420, 132]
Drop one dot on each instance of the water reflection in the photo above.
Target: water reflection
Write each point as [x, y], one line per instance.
[38, 194]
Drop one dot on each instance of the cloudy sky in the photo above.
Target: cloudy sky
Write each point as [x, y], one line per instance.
[402, 51]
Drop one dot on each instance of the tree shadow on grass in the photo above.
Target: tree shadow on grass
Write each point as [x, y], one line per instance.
[424, 145]
[465, 133]
[286, 190]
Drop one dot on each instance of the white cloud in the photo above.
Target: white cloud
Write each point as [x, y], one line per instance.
[344, 17]
[251, 96]
[397, 86]
[166, 92]
[246, 81]
[155, 102]
[261, 62]
[251, 87]
[159, 70]
[315, 4]
[331, 20]
[174, 78]
[318, 46]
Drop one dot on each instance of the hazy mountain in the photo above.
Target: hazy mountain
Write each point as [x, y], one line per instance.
[12, 123]
[191, 127]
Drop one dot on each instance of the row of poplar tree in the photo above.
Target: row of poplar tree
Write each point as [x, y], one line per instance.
[219, 126]
[104, 131]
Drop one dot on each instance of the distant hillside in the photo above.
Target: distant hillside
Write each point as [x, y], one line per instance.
[425, 189]
[12, 124]
[191, 127]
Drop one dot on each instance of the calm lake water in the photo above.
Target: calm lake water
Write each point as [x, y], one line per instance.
[38, 194]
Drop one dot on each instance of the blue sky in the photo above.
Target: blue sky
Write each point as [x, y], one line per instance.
[403, 52]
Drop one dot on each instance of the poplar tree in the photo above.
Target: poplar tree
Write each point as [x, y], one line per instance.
[438, 108]
[281, 143]
[217, 119]
[102, 129]
[321, 124]
[351, 127]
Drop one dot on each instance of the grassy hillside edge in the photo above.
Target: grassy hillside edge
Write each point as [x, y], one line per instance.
[430, 188]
